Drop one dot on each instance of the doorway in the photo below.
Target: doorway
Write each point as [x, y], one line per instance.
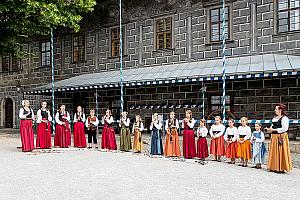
[9, 113]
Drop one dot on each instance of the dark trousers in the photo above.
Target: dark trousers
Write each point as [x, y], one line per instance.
[92, 135]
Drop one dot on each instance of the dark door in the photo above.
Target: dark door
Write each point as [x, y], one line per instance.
[9, 113]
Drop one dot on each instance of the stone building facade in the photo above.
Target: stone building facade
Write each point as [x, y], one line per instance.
[190, 34]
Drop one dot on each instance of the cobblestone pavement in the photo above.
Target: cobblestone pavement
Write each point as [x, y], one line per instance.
[65, 174]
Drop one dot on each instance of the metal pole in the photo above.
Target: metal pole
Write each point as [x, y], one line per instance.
[97, 110]
[203, 90]
[52, 82]
[223, 61]
[121, 60]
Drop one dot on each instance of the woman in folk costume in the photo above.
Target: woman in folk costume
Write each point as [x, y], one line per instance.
[125, 137]
[188, 123]
[92, 123]
[230, 137]
[108, 132]
[43, 138]
[62, 136]
[202, 148]
[79, 133]
[244, 145]
[156, 141]
[172, 147]
[217, 139]
[26, 117]
[258, 146]
[137, 129]
[279, 156]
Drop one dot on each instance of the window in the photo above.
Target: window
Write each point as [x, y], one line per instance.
[288, 15]
[164, 33]
[5, 63]
[216, 22]
[115, 41]
[46, 54]
[10, 63]
[78, 48]
[216, 102]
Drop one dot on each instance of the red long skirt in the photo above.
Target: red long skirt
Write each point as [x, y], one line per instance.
[62, 136]
[231, 150]
[108, 139]
[189, 147]
[217, 146]
[43, 138]
[202, 148]
[27, 137]
[79, 135]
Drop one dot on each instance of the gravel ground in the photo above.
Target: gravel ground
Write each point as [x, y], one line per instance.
[90, 174]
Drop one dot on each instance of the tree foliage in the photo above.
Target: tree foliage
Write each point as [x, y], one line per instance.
[22, 19]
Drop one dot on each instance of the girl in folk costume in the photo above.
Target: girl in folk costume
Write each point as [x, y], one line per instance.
[258, 146]
[188, 123]
[279, 155]
[230, 137]
[79, 133]
[137, 129]
[92, 123]
[217, 139]
[62, 136]
[172, 147]
[125, 138]
[108, 132]
[43, 138]
[26, 117]
[202, 148]
[156, 141]
[244, 145]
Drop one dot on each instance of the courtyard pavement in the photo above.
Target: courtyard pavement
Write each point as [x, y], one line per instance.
[71, 174]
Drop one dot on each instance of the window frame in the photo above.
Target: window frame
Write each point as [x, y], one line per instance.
[124, 35]
[276, 17]
[172, 32]
[83, 35]
[45, 51]
[210, 104]
[12, 61]
[209, 23]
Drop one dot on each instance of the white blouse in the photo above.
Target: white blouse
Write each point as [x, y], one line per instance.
[141, 128]
[82, 117]
[39, 116]
[231, 131]
[157, 125]
[57, 118]
[202, 131]
[22, 116]
[284, 123]
[244, 131]
[220, 128]
[190, 124]
[262, 137]
[110, 120]
[176, 124]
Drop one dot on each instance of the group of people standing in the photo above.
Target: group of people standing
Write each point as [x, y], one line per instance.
[62, 136]
[231, 142]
